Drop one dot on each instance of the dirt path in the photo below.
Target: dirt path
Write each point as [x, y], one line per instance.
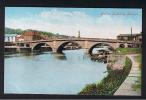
[126, 87]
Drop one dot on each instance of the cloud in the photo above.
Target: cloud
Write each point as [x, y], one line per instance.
[68, 23]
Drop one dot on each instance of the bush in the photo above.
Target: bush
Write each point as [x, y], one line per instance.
[90, 89]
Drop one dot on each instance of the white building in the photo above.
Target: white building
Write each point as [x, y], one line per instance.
[10, 37]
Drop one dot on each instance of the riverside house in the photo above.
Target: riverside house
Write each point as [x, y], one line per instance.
[130, 37]
[32, 35]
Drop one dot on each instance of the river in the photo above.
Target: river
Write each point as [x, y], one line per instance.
[48, 73]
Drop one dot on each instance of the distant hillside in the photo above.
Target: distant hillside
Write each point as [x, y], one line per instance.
[13, 31]
[19, 31]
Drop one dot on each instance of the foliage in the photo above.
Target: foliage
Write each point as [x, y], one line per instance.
[13, 31]
[137, 85]
[111, 83]
[43, 33]
[91, 89]
[139, 60]
[128, 50]
[19, 31]
[49, 34]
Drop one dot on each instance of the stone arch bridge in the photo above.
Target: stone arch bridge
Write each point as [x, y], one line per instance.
[57, 44]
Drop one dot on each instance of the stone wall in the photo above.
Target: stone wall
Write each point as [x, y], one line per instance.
[116, 62]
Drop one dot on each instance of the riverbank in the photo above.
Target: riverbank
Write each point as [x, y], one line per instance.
[124, 51]
[127, 87]
[109, 84]
[118, 72]
[116, 62]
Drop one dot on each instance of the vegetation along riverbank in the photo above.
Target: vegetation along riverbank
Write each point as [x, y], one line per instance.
[109, 84]
[128, 50]
[116, 75]
[137, 85]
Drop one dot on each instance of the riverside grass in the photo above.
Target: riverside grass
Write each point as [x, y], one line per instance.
[137, 85]
[128, 50]
[109, 84]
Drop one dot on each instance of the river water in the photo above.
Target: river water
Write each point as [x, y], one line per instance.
[48, 73]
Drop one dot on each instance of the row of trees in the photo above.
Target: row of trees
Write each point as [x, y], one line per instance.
[13, 31]
[19, 31]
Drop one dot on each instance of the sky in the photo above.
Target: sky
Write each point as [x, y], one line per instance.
[91, 22]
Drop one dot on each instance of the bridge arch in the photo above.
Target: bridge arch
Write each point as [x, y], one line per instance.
[38, 46]
[99, 44]
[27, 45]
[129, 46]
[63, 44]
[122, 46]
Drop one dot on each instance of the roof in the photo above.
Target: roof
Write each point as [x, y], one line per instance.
[129, 34]
[18, 35]
[10, 35]
[31, 32]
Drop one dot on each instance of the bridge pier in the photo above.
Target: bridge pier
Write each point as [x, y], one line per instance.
[126, 45]
[86, 50]
[54, 50]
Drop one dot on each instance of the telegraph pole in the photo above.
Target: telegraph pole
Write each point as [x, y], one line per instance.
[132, 38]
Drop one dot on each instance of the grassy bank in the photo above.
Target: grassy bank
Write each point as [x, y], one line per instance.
[109, 84]
[139, 60]
[137, 85]
[128, 50]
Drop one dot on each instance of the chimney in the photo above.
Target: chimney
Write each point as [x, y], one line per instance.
[131, 31]
[78, 34]
[131, 34]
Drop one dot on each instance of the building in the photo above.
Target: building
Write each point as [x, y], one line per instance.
[32, 35]
[10, 37]
[19, 38]
[130, 37]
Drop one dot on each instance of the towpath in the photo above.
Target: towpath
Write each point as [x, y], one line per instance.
[127, 86]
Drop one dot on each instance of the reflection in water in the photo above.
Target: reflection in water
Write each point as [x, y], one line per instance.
[60, 56]
[47, 73]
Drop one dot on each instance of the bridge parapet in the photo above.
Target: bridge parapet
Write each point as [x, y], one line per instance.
[85, 43]
[80, 39]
